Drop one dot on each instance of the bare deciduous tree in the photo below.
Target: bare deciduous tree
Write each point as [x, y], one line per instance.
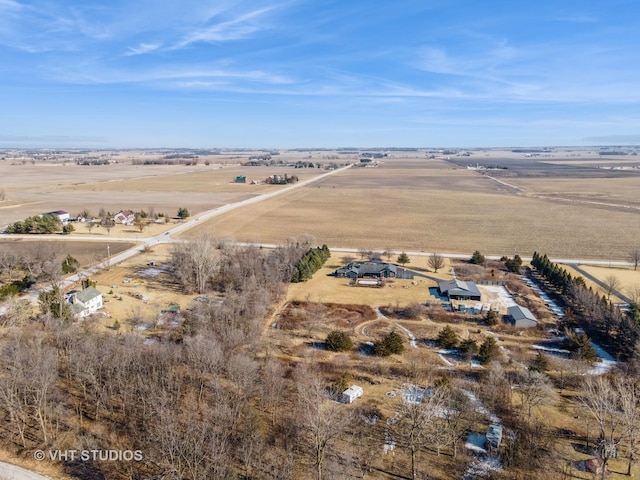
[634, 257]
[535, 390]
[436, 262]
[629, 398]
[612, 283]
[415, 427]
[324, 419]
[195, 262]
[601, 399]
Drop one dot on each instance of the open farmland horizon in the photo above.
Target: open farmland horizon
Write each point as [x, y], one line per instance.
[512, 204]
[566, 202]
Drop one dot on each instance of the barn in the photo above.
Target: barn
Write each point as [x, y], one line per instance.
[521, 317]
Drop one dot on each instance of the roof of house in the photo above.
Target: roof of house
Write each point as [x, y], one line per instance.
[88, 294]
[521, 313]
[368, 268]
[57, 212]
[458, 287]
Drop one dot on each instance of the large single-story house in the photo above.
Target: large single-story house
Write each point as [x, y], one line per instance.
[368, 270]
[85, 302]
[521, 317]
[351, 394]
[125, 217]
[458, 290]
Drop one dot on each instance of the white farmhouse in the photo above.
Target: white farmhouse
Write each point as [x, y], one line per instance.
[351, 394]
[86, 302]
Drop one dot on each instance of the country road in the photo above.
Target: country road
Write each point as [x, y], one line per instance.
[9, 471]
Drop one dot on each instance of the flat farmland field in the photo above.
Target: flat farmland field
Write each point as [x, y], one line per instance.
[436, 205]
[87, 253]
[33, 189]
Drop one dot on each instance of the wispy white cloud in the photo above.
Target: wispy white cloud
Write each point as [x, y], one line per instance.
[142, 49]
[238, 28]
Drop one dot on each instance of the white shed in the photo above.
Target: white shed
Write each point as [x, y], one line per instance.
[351, 394]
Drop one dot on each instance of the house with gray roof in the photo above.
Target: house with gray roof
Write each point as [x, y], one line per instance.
[85, 302]
[521, 317]
[458, 290]
[368, 270]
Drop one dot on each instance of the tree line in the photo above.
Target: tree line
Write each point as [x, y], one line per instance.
[595, 313]
[310, 263]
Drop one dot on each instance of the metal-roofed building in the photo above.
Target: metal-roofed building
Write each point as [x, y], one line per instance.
[521, 317]
[458, 290]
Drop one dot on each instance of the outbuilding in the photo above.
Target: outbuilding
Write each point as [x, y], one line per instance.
[351, 394]
[521, 317]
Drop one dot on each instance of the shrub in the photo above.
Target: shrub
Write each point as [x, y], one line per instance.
[338, 341]
[389, 345]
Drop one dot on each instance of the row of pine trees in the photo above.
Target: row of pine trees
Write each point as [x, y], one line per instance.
[310, 263]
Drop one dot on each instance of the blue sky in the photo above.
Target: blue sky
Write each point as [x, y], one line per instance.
[319, 73]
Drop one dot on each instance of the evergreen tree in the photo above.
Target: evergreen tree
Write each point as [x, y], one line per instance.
[448, 338]
[403, 259]
[338, 341]
[477, 258]
[468, 348]
[539, 363]
[488, 350]
[70, 264]
[491, 318]
[389, 345]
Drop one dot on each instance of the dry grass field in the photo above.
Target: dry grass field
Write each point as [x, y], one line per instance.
[629, 279]
[42, 187]
[434, 205]
[87, 253]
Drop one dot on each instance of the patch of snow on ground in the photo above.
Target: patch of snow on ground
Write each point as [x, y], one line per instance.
[606, 362]
[481, 408]
[445, 361]
[412, 337]
[550, 303]
[497, 295]
[482, 467]
[413, 394]
[551, 349]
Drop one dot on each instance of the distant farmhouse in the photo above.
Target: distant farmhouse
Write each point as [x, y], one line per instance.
[521, 317]
[367, 270]
[458, 290]
[86, 302]
[60, 214]
[125, 217]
